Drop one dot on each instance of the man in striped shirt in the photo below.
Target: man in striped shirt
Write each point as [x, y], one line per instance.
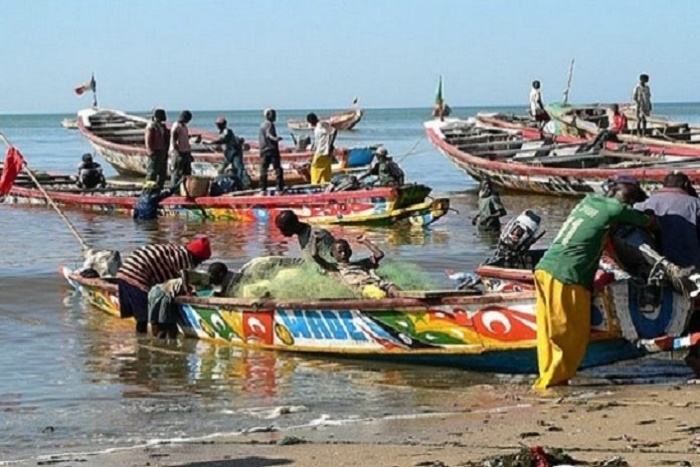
[150, 265]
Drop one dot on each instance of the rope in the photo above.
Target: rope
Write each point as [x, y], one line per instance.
[411, 151]
[70, 225]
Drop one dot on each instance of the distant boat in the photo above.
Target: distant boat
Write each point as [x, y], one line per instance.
[341, 121]
[69, 123]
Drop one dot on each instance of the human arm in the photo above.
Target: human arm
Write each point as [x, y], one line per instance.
[271, 133]
[313, 249]
[377, 254]
[149, 138]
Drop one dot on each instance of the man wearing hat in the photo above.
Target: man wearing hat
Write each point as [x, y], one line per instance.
[154, 264]
[385, 169]
[564, 277]
[233, 152]
[157, 140]
[146, 207]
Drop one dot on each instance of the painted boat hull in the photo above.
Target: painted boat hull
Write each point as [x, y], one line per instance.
[128, 155]
[493, 332]
[541, 179]
[377, 206]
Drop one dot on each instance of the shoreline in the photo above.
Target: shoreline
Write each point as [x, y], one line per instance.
[643, 425]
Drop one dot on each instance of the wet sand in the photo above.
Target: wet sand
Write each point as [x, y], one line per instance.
[646, 425]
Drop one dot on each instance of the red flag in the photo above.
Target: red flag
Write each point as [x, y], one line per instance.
[13, 164]
[89, 86]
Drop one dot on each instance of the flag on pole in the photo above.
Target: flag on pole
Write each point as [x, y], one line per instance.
[13, 165]
[439, 99]
[89, 86]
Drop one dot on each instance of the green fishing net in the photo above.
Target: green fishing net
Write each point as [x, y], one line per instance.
[291, 278]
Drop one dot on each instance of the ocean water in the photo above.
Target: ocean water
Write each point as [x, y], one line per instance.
[73, 378]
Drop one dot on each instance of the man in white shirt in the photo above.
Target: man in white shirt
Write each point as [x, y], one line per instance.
[324, 137]
[537, 107]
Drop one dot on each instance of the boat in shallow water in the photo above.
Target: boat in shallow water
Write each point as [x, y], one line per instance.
[513, 160]
[661, 136]
[119, 138]
[370, 205]
[495, 331]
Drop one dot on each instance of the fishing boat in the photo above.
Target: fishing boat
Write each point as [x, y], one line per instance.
[547, 166]
[346, 120]
[368, 205]
[661, 136]
[119, 138]
[495, 331]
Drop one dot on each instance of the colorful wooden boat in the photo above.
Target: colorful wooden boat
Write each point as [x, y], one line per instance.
[119, 138]
[377, 206]
[346, 120]
[491, 332]
[546, 166]
[662, 136]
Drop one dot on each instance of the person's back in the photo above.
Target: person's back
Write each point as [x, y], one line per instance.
[225, 183]
[574, 254]
[677, 214]
[90, 173]
[146, 207]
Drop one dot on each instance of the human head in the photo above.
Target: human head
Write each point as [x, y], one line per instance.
[626, 189]
[159, 115]
[217, 273]
[150, 185]
[288, 223]
[87, 158]
[341, 250]
[485, 188]
[381, 152]
[677, 179]
[200, 249]
[270, 115]
[185, 117]
[643, 78]
[536, 84]
[615, 108]
[312, 119]
[221, 123]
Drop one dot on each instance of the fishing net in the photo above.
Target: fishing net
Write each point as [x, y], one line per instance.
[293, 278]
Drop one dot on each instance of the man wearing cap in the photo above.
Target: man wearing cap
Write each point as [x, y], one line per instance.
[150, 265]
[324, 136]
[385, 169]
[157, 140]
[270, 151]
[564, 278]
[233, 152]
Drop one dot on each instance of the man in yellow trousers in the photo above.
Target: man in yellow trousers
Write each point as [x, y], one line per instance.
[324, 137]
[564, 277]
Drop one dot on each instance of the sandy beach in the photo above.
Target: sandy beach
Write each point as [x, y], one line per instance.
[646, 425]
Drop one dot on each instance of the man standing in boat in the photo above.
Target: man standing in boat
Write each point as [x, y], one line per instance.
[270, 151]
[180, 149]
[324, 137]
[537, 107]
[564, 278]
[642, 102]
[157, 140]
[233, 152]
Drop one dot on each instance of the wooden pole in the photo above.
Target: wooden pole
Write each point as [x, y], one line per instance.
[568, 82]
[31, 175]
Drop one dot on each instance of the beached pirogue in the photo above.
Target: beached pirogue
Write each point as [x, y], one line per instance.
[376, 206]
[495, 331]
[513, 160]
[119, 138]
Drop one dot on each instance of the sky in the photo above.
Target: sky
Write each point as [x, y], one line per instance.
[319, 54]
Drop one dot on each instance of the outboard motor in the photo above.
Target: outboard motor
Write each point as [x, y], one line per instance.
[514, 243]
[635, 250]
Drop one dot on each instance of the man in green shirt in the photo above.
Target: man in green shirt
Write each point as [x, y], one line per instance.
[564, 277]
[491, 208]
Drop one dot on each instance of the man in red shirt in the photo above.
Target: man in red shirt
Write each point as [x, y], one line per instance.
[617, 125]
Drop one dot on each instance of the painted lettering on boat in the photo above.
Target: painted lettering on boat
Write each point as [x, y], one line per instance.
[321, 324]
